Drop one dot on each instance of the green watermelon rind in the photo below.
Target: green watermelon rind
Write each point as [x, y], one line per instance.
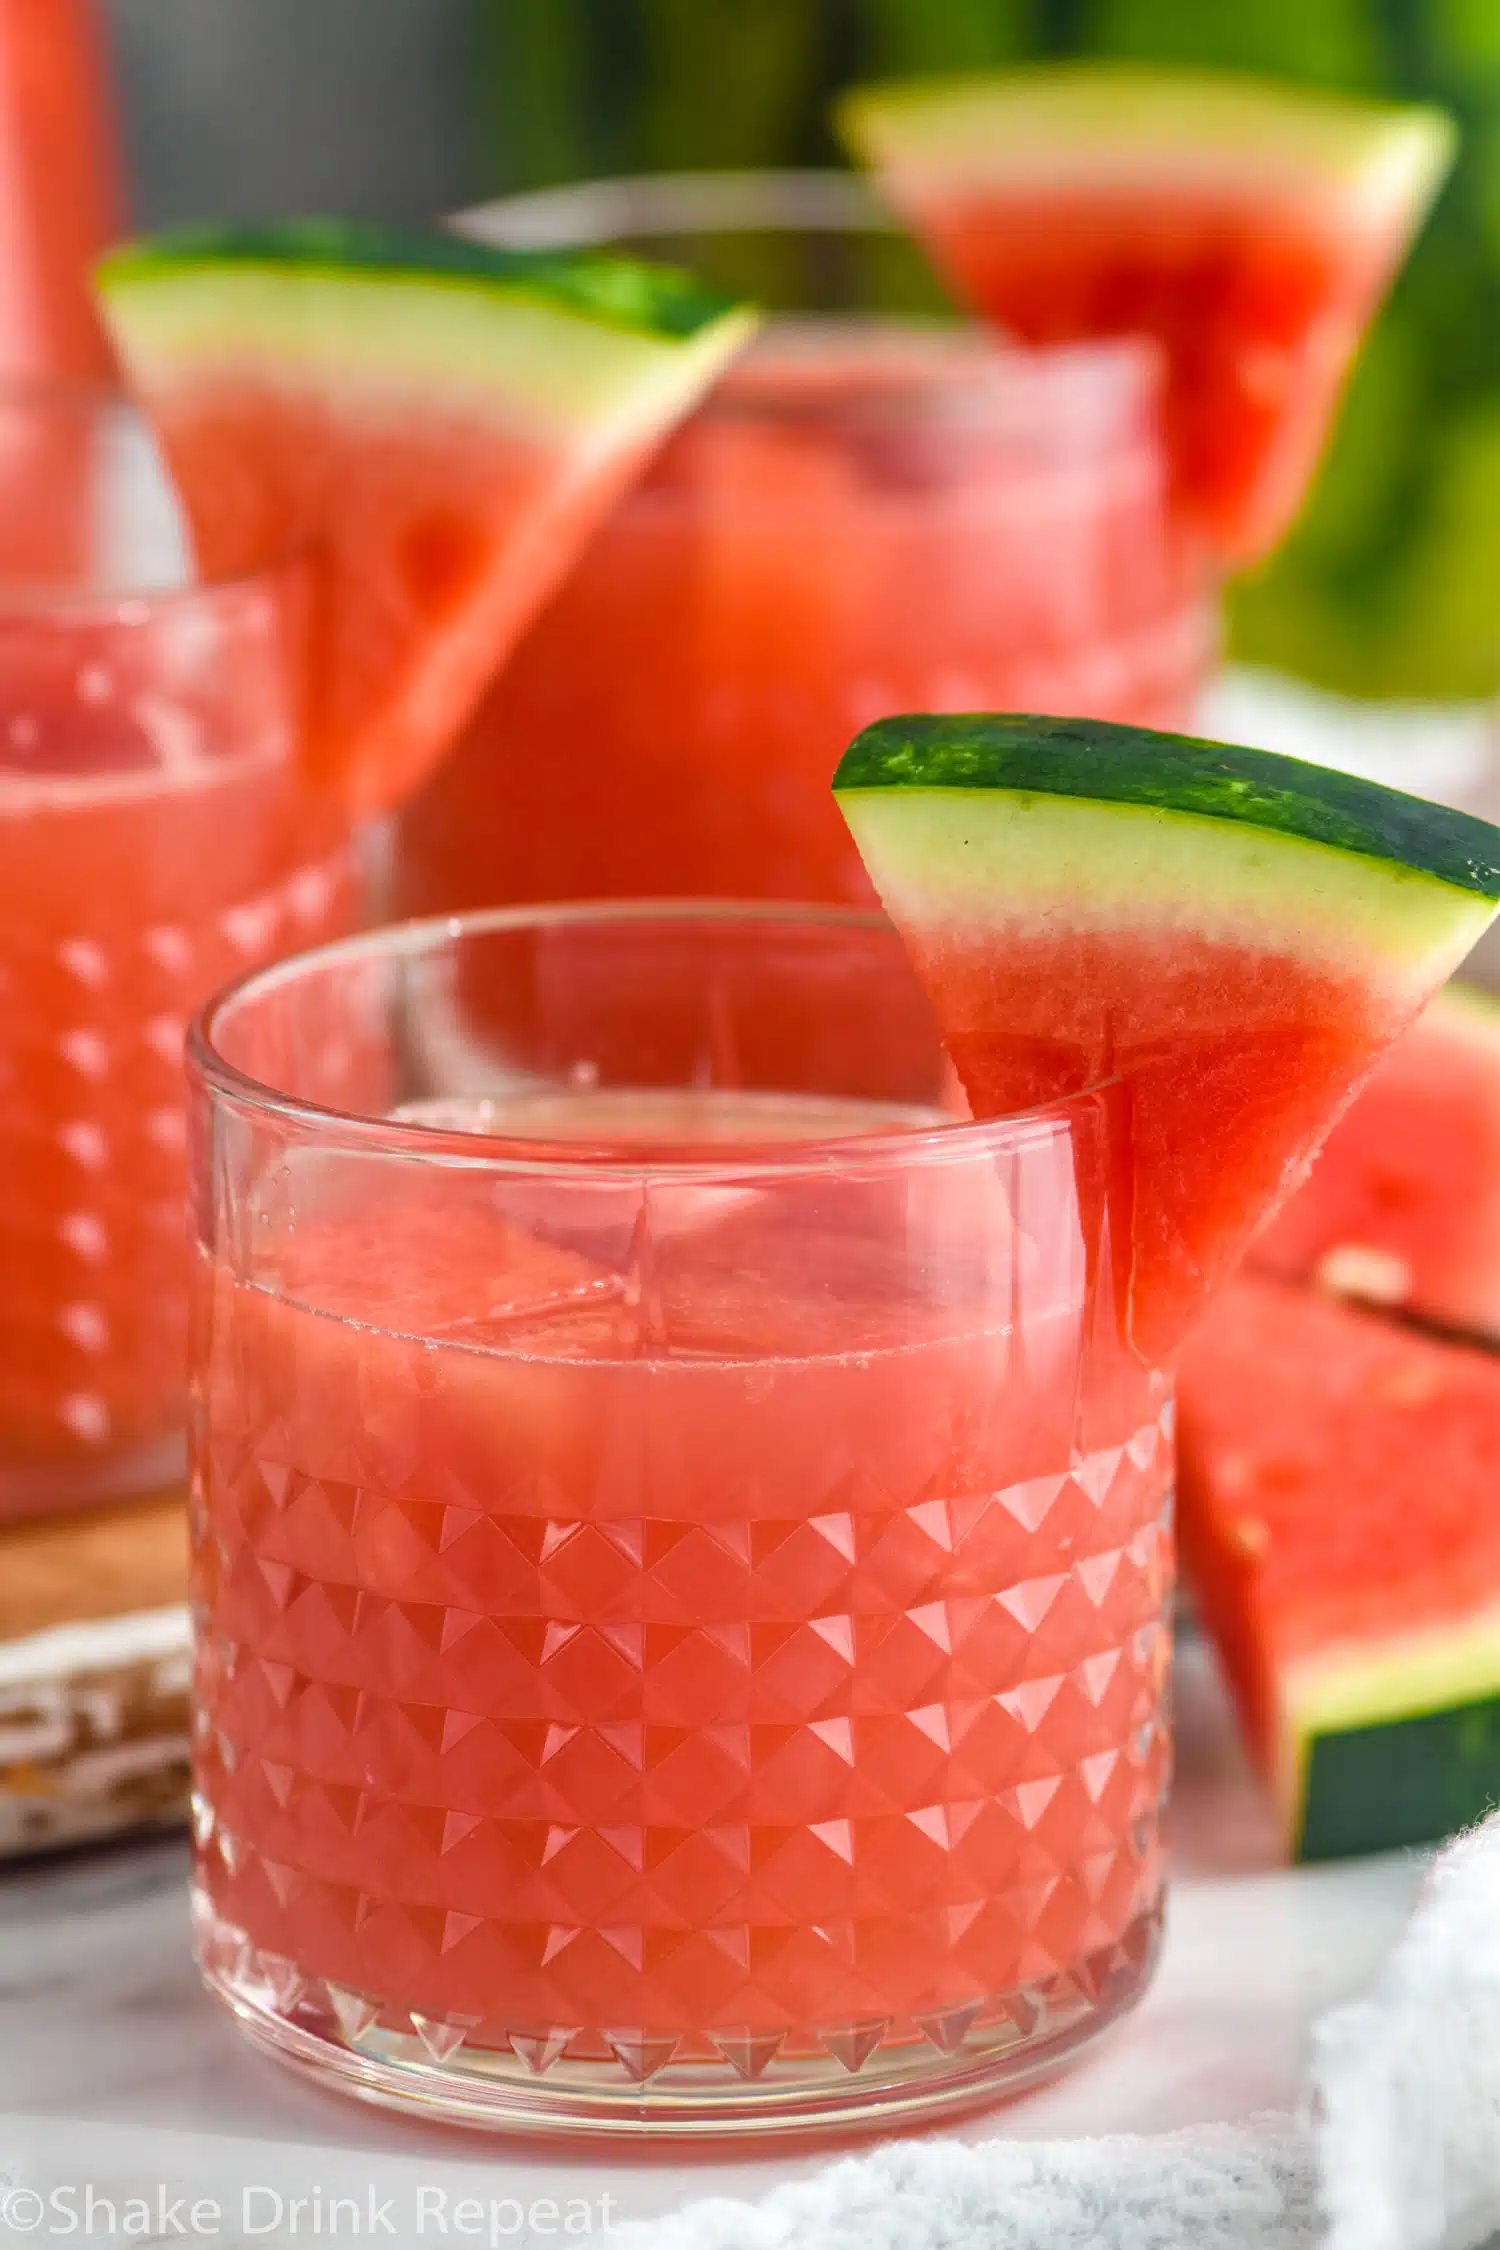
[1027, 756]
[1403, 1711]
[607, 351]
[1400, 1782]
[986, 125]
[617, 292]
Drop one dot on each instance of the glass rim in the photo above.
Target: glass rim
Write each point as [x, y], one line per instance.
[579, 214]
[41, 400]
[599, 213]
[211, 1073]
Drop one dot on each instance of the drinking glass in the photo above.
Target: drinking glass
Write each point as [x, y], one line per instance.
[155, 839]
[869, 514]
[682, 1543]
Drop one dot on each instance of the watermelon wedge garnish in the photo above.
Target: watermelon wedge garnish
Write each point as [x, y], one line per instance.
[1336, 1502]
[1233, 936]
[1250, 228]
[434, 425]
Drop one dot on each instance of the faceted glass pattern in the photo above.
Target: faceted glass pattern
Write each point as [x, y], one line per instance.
[672, 1645]
[93, 1319]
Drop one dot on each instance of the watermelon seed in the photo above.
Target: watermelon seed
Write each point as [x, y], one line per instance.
[1251, 1537]
[1354, 1269]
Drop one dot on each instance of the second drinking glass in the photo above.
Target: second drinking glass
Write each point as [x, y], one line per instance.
[869, 514]
[157, 836]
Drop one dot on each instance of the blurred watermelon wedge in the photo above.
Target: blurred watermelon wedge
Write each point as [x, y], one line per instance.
[1402, 1208]
[1250, 228]
[437, 427]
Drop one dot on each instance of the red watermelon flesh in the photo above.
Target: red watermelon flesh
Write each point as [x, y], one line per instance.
[1249, 229]
[1337, 1475]
[431, 542]
[1235, 1060]
[1257, 315]
[1403, 1205]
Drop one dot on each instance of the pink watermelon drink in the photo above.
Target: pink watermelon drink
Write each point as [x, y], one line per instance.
[156, 838]
[681, 1541]
[1250, 228]
[862, 517]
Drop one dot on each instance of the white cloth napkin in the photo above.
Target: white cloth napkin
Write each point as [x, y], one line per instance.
[1396, 2147]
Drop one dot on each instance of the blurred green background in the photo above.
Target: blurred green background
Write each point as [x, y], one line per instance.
[1389, 585]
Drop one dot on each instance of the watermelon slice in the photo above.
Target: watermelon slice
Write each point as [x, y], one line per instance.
[1336, 1504]
[435, 425]
[1250, 228]
[1403, 1205]
[1234, 936]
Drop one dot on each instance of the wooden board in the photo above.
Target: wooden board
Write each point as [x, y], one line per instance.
[94, 1673]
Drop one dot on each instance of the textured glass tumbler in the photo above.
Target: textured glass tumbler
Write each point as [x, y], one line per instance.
[682, 1550]
[156, 838]
[869, 514]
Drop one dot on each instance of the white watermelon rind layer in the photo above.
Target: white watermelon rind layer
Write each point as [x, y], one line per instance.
[1078, 124]
[961, 862]
[480, 331]
[983, 824]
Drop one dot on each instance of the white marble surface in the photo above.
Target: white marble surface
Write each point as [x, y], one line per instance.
[116, 2070]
